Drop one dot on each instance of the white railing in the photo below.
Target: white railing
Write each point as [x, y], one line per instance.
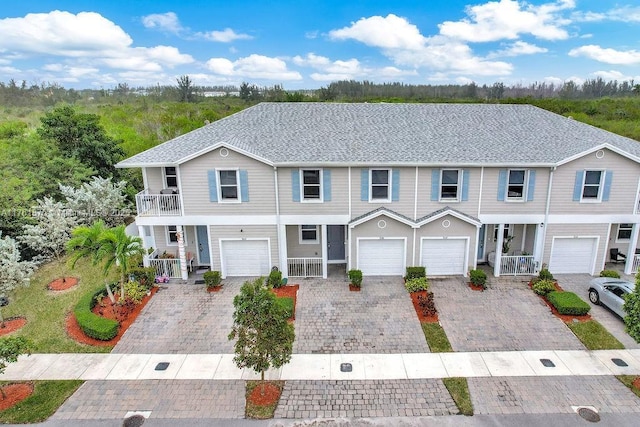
[169, 267]
[636, 264]
[157, 204]
[146, 259]
[304, 267]
[518, 265]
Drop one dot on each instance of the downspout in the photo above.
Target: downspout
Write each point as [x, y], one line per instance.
[546, 216]
[282, 240]
[415, 216]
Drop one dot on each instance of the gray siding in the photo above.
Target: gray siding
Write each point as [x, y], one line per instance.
[426, 205]
[154, 180]
[247, 231]
[297, 250]
[160, 235]
[371, 229]
[338, 205]
[577, 230]
[405, 204]
[491, 204]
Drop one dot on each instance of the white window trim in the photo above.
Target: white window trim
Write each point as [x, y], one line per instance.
[169, 242]
[389, 186]
[309, 242]
[321, 177]
[600, 186]
[525, 186]
[618, 239]
[164, 177]
[458, 187]
[219, 185]
[507, 230]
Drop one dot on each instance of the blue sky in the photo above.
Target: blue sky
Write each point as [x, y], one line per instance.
[310, 43]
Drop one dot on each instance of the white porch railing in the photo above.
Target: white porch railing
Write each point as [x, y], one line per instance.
[304, 267]
[169, 267]
[157, 204]
[518, 265]
[636, 264]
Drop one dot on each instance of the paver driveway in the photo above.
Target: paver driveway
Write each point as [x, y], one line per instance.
[505, 317]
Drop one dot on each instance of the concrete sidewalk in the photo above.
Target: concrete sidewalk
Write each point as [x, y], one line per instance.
[327, 366]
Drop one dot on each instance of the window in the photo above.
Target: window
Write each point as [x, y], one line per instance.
[505, 233]
[170, 177]
[515, 185]
[449, 184]
[592, 184]
[308, 234]
[172, 235]
[624, 232]
[229, 190]
[380, 184]
[311, 184]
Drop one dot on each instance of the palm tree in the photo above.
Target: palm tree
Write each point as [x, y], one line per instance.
[115, 246]
[84, 242]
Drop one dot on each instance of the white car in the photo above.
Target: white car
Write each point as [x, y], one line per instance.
[610, 292]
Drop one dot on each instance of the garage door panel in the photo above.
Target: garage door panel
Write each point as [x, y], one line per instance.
[246, 257]
[573, 255]
[444, 256]
[384, 257]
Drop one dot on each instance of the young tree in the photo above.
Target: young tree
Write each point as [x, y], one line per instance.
[10, 349]
[85, 242]
[632, 309]
[115, 246]
[264, 337]
[185, 88]
[100, 199]
[13, 271]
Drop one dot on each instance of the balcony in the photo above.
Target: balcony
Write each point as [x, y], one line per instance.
[167, 203]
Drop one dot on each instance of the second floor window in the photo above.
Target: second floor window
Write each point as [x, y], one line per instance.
[449, 184]
[229, 185]
[591, 185]
[311, 184]
[170, 177]
[516, 184]
[380, 184]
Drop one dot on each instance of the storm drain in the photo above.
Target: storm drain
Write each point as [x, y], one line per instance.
[162, 366]
[346, 367]
[619, 362]
[547, 363]
[133, 421]
[589, 414]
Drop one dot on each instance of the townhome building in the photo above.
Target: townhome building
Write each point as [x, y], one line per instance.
[379, 187]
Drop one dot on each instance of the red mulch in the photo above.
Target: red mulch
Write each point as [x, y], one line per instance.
[476, 287]
[416, 306]
[15, 393]
[566, 318]
[12, 325]
[636, 383]
[288, 291]
[353, 288]
[214, 288]
[269, 397]
[62, 284]
[109, 311]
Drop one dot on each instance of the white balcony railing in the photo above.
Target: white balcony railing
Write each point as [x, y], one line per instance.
[169, 267]
[518, 265]
[157, 204]
[304, 267]
[636, 264]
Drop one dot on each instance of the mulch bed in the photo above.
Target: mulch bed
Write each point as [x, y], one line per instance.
[62, 284]
[264, 394]
[288, 291]
[353, 288]
[12, 324]
[476, 287]
[109, 311]
[636, 383]
[566, 318]
[416, 305]
[214, 288]
[15, 393]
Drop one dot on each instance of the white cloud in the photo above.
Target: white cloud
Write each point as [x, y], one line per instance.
[253, 66]
[614, 75]
[620, 14]
[507, 19]
[518, 48]
[167, 55]
[390, 32]
[225, 36]
[163, 21]
[557, 81]
[607, 55]
[350, 69]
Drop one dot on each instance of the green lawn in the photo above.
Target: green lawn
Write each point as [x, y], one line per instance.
[459, 391]
[45, 310]
[628, 381]
[46, 399]
[436, 338]
[594, 336]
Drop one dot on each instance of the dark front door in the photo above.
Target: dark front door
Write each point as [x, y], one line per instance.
[203, 245]
[335, 243]
[481, 234]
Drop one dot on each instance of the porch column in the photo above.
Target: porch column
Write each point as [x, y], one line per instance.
[181, 253]
[323, 239]
[631, 251]
[282, 250]
[538, 244]
[498, 259]
[145, 257]
[349, 265]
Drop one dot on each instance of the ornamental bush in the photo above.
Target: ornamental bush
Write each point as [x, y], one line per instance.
[478, 277]
[417, 284]
[543, 287]
[568, 303]
[212, 279]
[145, 275]
[286, 303]
[275, 279]
[545, 274]
[92, 325]
[415, 272]
[610, 273]
[632, 309]
[355, 277]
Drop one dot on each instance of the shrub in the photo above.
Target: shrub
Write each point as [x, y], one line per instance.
[91, 324]
[355, 277]
[568, 303]
[415, 272]
[417, 284]
[543, 287]
[145, 275]
[286, 304]
[212, 279]
[275, 279]
[632, 309]
[135, 291]
[610, 273]
[545, 274]
[478, 277]
[427, 305]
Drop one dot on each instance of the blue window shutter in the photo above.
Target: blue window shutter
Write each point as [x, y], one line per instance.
[244, 185]
[326, 185]
[435, 185]
[465, 185]
[213, 186]
[395, 185]
[608, 176]
[532, 185]
[502, 184]
[295, 184]
[364, 185]
[577, 188]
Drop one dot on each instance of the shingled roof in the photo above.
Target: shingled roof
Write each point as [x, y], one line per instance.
[391, 134]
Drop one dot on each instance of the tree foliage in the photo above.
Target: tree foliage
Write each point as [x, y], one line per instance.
[264, 337]
[632, 310]
[10, 349]
[99, 199]
[14, 271]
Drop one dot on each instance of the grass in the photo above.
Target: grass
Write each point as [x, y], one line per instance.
[628, 381]
[436, 338]
[261, 412]
[46, 399]
[459, 391]
[594, 336]
[46, 311]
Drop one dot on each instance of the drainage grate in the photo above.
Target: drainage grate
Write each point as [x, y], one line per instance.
[589, 415]
[133, 421]
[346, 367]
[199, 282]
[547, 363]
[162, 366]
[619, 362]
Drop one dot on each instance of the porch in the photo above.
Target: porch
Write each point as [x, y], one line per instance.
[166, 203]
[510, 249]
[311, 249]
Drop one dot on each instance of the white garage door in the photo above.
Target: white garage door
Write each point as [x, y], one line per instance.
[245, 258]
[572, 255]
[381, 257]
[444, 256]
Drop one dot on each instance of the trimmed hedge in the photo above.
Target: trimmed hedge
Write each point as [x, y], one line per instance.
[417, 284]
[610, 273]
[91, 324]
[568, 303]
[478, 278]
[415, 272]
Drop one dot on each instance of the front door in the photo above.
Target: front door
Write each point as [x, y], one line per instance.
[203, 245]
[481, 234]
[335, 243]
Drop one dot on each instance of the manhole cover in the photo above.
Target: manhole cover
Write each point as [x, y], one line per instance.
[619, 362]
[589, 415]
[133, 421]
[548, 363]
[162, 366]
[346, 367]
